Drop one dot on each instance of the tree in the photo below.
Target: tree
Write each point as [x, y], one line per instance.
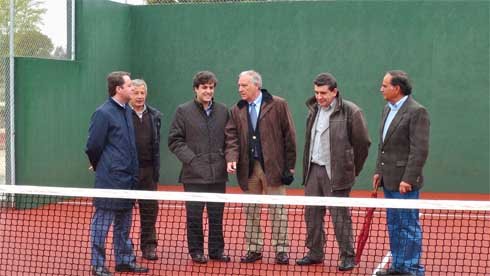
[59, 52]
[28, 39]
[28, 15]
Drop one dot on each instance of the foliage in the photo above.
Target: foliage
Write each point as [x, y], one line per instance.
[28, 39]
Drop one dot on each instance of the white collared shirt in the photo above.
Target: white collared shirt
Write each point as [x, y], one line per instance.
[140, 114]
[320, 147]
[257, 103]
[393, 110]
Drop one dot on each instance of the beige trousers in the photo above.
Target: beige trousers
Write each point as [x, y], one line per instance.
[257, 184]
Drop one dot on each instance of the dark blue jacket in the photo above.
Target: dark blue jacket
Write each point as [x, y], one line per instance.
[155, 119]
[111, 150]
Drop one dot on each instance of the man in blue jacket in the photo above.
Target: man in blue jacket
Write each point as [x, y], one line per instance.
[111, 150]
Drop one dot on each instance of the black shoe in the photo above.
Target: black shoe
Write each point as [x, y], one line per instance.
[221, 258]
[307, 260]
[150, 255]
[393, 272]
[282, 258]
[199, 258]
[100, 271]
[347, 264]
[131, 268]
[251, 257]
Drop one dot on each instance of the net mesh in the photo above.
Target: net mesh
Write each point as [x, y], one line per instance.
[46, 231]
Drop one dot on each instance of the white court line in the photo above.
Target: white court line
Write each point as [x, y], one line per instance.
[383, 263]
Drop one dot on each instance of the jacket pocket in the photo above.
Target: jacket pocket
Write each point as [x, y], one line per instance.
[200, 168]
[401, 163]
[349, 159]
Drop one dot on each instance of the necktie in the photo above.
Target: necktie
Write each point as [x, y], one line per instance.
[253, 115]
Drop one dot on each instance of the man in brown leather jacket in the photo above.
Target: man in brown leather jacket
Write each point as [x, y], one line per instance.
[336, 147]
[261, 149]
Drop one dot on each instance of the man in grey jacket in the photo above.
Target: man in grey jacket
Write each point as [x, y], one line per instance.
[402, 152]
[336, 147]
[197, 138]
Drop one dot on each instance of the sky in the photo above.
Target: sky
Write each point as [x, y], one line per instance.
[55, 22]
[55, 19]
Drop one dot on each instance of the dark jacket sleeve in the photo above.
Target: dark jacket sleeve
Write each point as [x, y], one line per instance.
[177, 138]
[97, 135]
[289, 133]
[419, 146]
[360, 140]
[232, 146]
[157, 123]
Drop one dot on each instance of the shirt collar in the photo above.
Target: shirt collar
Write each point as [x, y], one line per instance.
[330, 106]
[122, 105]
[258, 100]
[140, 114]
[210, 107]
[398, 104]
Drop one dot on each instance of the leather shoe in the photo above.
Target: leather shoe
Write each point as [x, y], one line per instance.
[199, 258]
[221, 258]
[307, 260]
[100, 271]
[392, 272]
[251, 257]
[131, 268]
[282, 258]
[150, 255]
[347, 264]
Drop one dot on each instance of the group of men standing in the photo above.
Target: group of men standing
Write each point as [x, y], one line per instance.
[256, 140]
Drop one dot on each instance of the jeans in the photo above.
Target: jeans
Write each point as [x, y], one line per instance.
[123, 247]
[405, 235]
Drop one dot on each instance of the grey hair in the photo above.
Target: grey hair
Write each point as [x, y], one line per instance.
[140, 82]
[256, 78]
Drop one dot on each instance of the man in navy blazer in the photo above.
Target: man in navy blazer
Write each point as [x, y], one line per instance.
[402, 152]
[111, 150]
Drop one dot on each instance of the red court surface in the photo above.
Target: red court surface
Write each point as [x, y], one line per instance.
[54, 240]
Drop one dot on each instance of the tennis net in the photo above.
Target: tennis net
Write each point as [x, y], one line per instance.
[46, 231]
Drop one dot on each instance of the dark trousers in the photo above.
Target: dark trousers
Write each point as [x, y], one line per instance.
[148, 210]
[194, 210]
[318, 184]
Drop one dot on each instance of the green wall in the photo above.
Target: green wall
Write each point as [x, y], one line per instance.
[444, 46]
[55, 99]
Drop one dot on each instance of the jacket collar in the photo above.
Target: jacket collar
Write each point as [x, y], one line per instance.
[200, 106]
[396, 120]
[111, 100]
[313, 106]
[266, 97]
